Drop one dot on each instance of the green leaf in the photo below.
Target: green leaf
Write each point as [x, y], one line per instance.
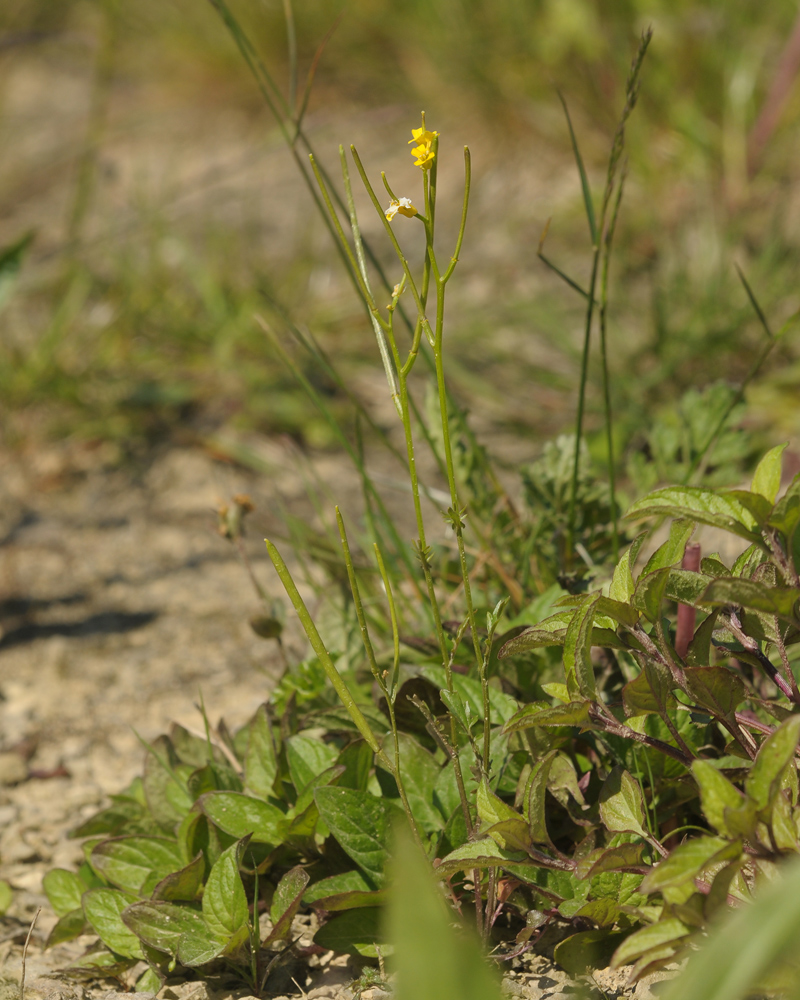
[419, 771]
[755, 596]
[511, 834]
[717, 795]
[575, 713]
[534, 799]
[746, 945]
[224, 901]
[699, 652]
[354, 932]
[433, 962]
[239, 815]
[586, 950]
[688, 860]
[588, 204]
[578, 652]
[610, 859]
[161, 924]
[148, 982]
[759, 508]
[622, 585]
[356, 759]
[483, 853]
[286, 902]
[687, 587]
[763, 781]
[669, 931]
[103, 909]
[199, 948]
[699, 505]
[69, 926]
[491, 808]
[183, 885]
[335, 885]
[131, 863]
[671, 552]
[64, 890]
[165, 784]
[786, 515]
[360, 822]
[767, 477]
[260, 760]
[649, 594]
[716, 689]
[307, 757]
[622, 804]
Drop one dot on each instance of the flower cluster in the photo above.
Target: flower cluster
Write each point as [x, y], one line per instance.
[423, 151]
[400, 206]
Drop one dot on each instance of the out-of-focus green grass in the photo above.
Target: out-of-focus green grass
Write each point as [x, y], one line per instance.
[132, 317]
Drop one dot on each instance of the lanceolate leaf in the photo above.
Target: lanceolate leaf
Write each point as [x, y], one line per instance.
[671, 552]
[610, 859]
[574, 713]
[184, 884]
[755, 596]
[260, 763]
[482, 853]
[688, 860]
[669, 931]
[535, 793]
[621, 803]
[286, 902]
[717, 795]
[699, 505]
[578, 652]
[764, 778]
[622, 583]
[767, 477]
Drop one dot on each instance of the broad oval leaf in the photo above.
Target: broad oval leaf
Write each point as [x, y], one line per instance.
[64, 890]
[239, 815]
[103, 909]
[224, 901]
[688, 860]
[286, 902]
[622, 804]
[717, 795]
[716, 689]
[133, 863]
[361, 823]
[697, 504]
[161, 924]
[669, 931]
[354, 932]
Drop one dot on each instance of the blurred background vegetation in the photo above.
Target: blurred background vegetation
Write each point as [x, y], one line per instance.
[149, 209]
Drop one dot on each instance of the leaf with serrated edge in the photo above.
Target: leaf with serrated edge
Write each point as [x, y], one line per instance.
[755, 596]
[696, 504]
[763, 781]
[621, 803]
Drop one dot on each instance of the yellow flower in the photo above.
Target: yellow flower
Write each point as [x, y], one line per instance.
[402, 206]
[423, 151]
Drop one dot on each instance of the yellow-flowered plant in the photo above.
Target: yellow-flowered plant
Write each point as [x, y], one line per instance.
[400, 206]
[425, 150]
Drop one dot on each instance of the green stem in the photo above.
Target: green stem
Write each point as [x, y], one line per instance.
[324, 656]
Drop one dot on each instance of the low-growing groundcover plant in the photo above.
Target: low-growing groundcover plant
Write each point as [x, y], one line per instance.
[563, 731]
